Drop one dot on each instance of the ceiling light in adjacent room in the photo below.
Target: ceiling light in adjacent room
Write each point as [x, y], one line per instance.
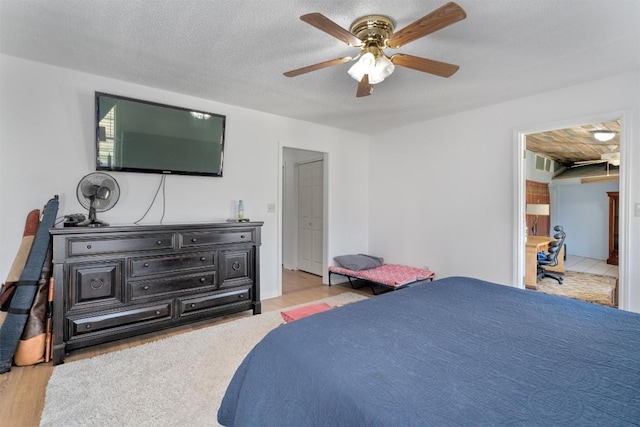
[603, 135]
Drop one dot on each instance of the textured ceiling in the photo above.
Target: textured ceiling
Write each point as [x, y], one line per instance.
[235, 52]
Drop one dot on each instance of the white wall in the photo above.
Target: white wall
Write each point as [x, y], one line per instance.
[583, 211]
[442, 191]
[47, 146]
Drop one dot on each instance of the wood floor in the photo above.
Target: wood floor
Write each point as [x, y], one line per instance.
[22, 390]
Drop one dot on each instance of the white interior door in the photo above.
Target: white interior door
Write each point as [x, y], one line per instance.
[310, 216]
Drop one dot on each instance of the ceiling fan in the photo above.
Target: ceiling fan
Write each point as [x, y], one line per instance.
[375, 33]
[611, 158]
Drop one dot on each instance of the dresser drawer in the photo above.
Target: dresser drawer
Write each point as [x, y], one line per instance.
[100, 322]
[236, 268]
[162, 264]
[135, 243]
[195, 304]
[95, 284]
[164, 286]
[202, 238]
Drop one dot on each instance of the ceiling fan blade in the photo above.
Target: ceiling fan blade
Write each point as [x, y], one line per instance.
[436, 20]
[425, 65]
[364, 88]
[588, 162]
[317, 66]
[325, 24]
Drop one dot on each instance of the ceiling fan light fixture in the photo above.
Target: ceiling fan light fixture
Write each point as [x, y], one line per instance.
[362, 66]
[604, 135]
[377, 68]
[384, 66]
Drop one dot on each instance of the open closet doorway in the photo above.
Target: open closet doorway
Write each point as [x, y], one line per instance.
[569, 175]
[303, 218]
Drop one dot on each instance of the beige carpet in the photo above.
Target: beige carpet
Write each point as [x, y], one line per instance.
[177, 381]
[583, 286]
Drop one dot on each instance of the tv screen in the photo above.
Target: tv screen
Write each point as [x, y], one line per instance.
[140, 136]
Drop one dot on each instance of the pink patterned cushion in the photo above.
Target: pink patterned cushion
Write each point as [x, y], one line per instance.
[387, 274]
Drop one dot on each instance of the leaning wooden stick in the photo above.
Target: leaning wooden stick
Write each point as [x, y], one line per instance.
[47, 345]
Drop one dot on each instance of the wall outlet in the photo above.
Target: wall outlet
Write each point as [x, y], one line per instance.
[271, 207]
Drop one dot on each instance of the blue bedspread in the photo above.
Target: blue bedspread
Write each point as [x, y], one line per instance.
[457, 351]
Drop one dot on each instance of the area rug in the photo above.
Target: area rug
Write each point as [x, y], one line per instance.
[587, 287]
[177, 381]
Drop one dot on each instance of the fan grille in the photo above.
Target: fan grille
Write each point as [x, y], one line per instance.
[100, 187]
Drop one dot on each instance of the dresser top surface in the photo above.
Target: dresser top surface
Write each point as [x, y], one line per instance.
[167, 227]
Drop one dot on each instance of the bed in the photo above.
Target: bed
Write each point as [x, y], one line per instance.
[455, 351]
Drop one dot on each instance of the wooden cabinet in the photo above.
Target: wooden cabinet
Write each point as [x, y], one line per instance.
[614, 207]
[117, 282]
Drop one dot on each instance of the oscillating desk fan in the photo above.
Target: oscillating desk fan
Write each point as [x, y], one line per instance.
[97, 192]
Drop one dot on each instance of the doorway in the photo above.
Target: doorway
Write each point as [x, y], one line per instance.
[304, 219]
[591, 177]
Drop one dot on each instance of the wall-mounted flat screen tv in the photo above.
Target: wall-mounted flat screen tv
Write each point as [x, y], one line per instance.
[140, 136]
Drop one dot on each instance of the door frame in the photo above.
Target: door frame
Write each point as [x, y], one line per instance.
[280, 210]
[520, 195]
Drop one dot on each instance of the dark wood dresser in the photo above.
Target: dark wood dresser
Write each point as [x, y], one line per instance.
[121, 281]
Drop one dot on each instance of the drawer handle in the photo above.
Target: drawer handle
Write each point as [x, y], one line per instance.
[159, 242]
[242, 236]
[88, 326]
[145, 287]
[202, 280]
[88, 246]
[193, 305]
[203, 258]
[157, 311]
[146, 264]
[235, 266]
[194, 240]
[241, 296]
[96, 284]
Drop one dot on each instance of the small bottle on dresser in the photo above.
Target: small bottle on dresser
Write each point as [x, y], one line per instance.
[240, 210]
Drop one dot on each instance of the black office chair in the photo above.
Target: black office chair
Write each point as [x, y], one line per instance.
[551, 257]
